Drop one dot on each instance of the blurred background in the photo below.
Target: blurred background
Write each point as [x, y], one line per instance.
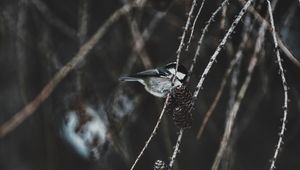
[92, 121]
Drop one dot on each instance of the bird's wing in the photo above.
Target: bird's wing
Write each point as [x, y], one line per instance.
[147, 73]
[139, 76]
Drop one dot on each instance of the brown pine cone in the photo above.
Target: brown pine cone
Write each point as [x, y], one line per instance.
[180, 106]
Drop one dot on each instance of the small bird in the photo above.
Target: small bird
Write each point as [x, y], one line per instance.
[158, 82]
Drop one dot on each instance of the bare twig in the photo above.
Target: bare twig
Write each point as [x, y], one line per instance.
[285, 88]
[139, 42]
[46, 46]
[233, 113]
[233, 86]
[290, 16]
[176, 149]
[55, 21]
[83, 20]
[241, 94]
[223, 20]
[178, 52]
[193, 26]
[29, 109]
[218, 96]
[233, 63]
[220, 46]
[287, 52]
[21, 52]
[204, 31]
[181, 45]
[152, 134]
[146, 35]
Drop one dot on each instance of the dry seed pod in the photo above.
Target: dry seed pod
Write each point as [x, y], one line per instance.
[180, 106]
[160, 165]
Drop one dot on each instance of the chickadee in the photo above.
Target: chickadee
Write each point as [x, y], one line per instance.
[158, 81]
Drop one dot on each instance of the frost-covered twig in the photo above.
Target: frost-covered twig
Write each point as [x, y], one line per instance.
[232, 64]
[176, 149]
[204, 31]
[182, 38]
[220, 46]
[152, 134]
[29, 109]
[193, 26]
[285, 88]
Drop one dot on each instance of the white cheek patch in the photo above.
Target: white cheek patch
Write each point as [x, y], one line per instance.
[179, 75]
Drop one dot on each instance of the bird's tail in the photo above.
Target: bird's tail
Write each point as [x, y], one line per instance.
[127, 78]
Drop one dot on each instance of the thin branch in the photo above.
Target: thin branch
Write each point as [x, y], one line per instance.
[223, 20]
[181, 45]
[212, 107]
[83, 17]
[29, 109]
[176, 149]
[220, 46]
[54, 20]
[233, 86]
[290, 16]
[46, 46]
[233, 113]
[146, 35]
[139, 42]
[21, 52]
[194, 24]
[287, 52]
[83, 20]
[152, 134]
[204, 31]
[241, 94]
[218, 96]
[285, 88]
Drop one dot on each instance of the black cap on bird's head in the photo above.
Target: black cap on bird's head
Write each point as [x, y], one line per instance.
[181, 71]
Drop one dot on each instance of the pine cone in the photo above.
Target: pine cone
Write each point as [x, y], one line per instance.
[180, 106]
[160, 165]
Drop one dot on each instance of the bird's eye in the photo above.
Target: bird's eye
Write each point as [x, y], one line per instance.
[163, 72]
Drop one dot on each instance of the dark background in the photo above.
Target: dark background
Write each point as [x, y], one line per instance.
[36, 42]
